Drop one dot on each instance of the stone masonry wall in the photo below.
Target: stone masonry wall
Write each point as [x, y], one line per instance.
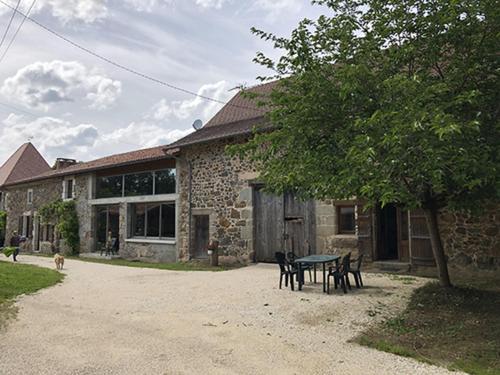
[17, 205]
[221, 189]
[472, 241]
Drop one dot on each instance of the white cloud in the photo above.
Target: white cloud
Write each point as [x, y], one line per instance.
[53, 137]
[275, 8]
[143, 133]
[41, 84]
[217, 4]
[187, 109]
[87, 11]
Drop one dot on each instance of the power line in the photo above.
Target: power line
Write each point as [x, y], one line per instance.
[17, 31]
[10, 22]
[125, 68]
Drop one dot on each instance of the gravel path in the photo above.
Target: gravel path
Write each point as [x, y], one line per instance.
[118, 320]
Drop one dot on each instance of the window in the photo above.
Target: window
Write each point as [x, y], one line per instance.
[109, 187]
[30, 196]
[139, 184]
[152, 220]
[165, 182]
[48, 233]
[68, 189]
[107, 223]
[346, 220]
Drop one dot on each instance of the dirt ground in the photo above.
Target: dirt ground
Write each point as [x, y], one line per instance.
[118, 320]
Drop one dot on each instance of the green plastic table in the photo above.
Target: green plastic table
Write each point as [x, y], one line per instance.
[314, 259]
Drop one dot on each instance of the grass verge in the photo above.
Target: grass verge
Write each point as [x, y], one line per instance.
[179, 266]
[458, 328]
[17, 279]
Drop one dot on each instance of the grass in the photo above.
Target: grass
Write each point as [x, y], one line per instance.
[179, 266]
[17, 279]
[458, 328]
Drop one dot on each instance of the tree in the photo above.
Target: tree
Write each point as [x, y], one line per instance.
[393, 101]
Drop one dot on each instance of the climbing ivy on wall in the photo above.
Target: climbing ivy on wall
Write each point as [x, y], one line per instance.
[63, 214]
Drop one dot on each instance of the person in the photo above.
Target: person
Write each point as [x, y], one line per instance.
[15, 241]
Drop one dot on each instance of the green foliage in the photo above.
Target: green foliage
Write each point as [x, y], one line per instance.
[388, 101]
[64, 214]
[8, 251]
[3, 221]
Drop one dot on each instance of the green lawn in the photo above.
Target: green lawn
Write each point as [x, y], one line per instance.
[457, 328]
[17, 279]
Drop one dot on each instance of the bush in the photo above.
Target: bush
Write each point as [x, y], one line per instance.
[66, 219]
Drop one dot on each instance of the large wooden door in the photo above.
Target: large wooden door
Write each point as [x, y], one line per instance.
[282, 223]
[421, 248]
[300, 225]
[201, 235]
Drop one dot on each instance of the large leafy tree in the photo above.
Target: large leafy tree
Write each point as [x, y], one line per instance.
[388, 101]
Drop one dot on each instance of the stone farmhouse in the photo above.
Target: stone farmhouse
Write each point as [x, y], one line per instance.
[165, 204]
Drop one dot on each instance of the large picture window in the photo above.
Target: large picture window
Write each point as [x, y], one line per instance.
[137, 184]
[109, 187]
[152, 220]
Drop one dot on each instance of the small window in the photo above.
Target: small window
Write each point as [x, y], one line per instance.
[30, 196]
[346, 220]
[68, 189]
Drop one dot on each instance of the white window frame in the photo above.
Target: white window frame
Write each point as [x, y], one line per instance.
[29, 196]
[65, 188]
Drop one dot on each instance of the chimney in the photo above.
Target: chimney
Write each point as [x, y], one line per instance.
[62, 163]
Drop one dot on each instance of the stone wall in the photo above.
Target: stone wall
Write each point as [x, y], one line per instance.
[17, 205]
[221, 189]
[472, 241]
[82, 189]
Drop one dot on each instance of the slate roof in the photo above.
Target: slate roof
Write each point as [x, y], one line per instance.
[25, 163]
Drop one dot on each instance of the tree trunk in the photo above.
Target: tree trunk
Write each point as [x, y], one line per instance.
[431, 215]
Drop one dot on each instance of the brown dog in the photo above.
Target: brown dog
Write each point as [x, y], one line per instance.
[59, 261]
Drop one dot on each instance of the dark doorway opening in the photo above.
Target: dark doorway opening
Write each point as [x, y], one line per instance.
[201, 235]
[388, 233]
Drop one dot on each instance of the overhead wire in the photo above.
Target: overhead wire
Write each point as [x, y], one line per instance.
[17, 31]
[10, 21]
[125, 68]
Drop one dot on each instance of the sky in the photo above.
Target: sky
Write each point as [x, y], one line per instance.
[70, 104]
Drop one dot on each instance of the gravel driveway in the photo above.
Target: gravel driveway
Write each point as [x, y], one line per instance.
[118, 320]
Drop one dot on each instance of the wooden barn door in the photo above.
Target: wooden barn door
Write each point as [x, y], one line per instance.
[283, 223]
[300, 225]
[269, 225]
[421, 249]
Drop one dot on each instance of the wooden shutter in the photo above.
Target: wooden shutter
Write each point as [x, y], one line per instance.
[365, 232]
[420, 240]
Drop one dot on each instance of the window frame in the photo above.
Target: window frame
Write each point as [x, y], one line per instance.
[123, 187]
[29, 196]
[131, 227]
[66, 190]
[340, 230]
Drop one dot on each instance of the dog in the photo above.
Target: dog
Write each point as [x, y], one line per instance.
[59, 261]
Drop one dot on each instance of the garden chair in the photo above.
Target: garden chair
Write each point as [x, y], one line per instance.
[356, 271]
[285, 269]
[304, 266]
[340, 274]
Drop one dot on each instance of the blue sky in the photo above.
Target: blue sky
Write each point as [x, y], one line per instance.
[80, 107]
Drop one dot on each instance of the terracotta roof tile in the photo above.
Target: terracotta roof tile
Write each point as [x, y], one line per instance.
[25, 163]
[149, 154]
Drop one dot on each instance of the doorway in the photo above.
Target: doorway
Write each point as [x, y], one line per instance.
[387, 233]
[107, 223]
[201, 235]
